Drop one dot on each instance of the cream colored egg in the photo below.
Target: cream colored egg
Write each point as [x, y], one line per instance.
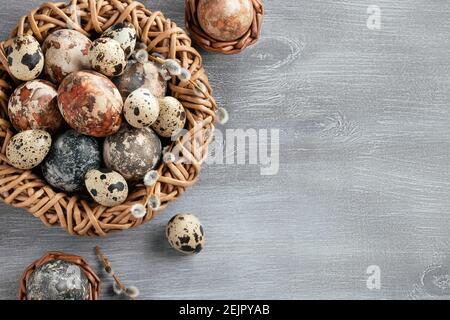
[172, 117]
[125, 34]
[141, 109]
[107, 188]
[107, 57]
[28, 149]
[185, 233]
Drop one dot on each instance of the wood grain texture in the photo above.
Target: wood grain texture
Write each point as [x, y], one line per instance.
[364, 175]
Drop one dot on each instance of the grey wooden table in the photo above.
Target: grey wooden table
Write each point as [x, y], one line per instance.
[364, 176]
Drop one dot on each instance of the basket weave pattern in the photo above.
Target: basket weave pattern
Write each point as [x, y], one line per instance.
[25, 189]
[225, 47]
[94, 281]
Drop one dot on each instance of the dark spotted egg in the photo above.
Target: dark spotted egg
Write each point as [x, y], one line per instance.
[65, 51]
[141, 109]
[28, 149]
[125, 34]
[132, 152]
[139, 75]
[107, 188]
[33, 106]
[71, 156]
[25, 57]
[90, 103]
[172, 117]
[185, 233]
[107, 57]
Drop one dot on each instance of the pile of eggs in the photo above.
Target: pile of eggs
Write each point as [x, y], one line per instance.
[94, 120]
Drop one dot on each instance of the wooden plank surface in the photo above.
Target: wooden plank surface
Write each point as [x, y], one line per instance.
[364, 175]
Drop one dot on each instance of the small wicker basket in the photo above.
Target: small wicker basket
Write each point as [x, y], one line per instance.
[228, 47]
[94, 281]
[28, 190]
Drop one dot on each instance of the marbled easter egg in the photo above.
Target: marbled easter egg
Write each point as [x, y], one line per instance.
[185, 234]
[107, 57]
[107, 188]
[25, 57]
[125, 34]
[28, 149]
[33, 106]
[90, 103]
[65, 51]
[71, 156]
[141, 109]
[139, 75]
[58, 280]
[171, 119]
[132, 152]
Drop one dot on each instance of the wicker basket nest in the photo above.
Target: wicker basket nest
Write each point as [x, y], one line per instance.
[94, 281]
[225, 47]
[25, 189]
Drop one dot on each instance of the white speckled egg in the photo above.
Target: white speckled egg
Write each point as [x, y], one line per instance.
[28, 149]
[141, 109]
[65, 51]
[125, 34]
[185, 233]
[172, 117]
[25, 57]
[107, 56]
[107, 188]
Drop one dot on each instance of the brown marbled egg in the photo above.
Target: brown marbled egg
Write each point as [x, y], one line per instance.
[132, 152]
[90, 103]
[139, 75]
[225, 20]
[33, 106]
[171, 119]
[66, 51]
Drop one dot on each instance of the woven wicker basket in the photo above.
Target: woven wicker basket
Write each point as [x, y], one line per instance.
[229, 47]
[94, 281]
[26, 189]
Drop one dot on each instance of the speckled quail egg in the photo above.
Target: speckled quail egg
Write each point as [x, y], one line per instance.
[139, 75]
[90, 103]
[125, 34]
[141, 109]
[107, 188]
[33, 106]
[28, 149]
[65, 51]
[107, 57]
[185, 233]
[71, 156]
[132, 152]
[172, 117]
[25, 57]
[58, 280]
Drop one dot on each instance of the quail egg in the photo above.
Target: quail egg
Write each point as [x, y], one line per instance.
[125, 34]
[33, 106]
[172, 117]
[185, 233]
[107, 188]
[132, 152]
[141, 109]
[28, 149]
[107, 57]
[25, 57]
[65, 51]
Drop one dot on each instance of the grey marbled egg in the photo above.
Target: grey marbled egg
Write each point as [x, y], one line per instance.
[25, 57]
[172, 117]
[185, 233]
[107, 188]
[58, 280]
[141, 109]
[125, 34]
[65, 51]
[28, 149]
[132, 152]
[71, 156]
[107, 57]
